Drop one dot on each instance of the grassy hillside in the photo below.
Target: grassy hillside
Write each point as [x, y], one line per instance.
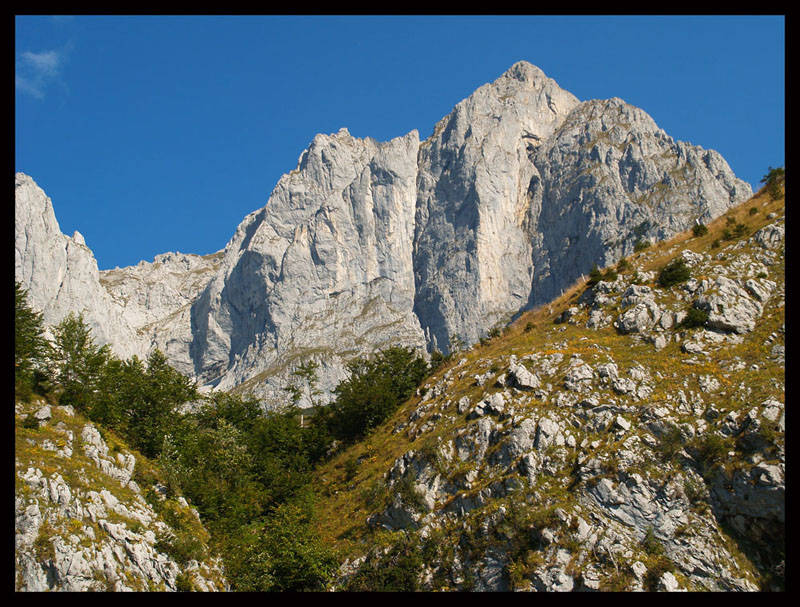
[355, 484]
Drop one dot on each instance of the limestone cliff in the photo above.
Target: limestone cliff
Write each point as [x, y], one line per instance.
[519, 190]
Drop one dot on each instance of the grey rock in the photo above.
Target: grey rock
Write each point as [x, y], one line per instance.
[730, 307]
[770, 236]
[366, 244]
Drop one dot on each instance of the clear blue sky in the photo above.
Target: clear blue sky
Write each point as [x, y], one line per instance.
[155, 134]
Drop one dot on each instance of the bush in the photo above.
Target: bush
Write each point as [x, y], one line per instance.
[529, 326]
[739, 230]
[670, 443]
[651, 544]
[715, 244]
[640, 245]
[595, 276]
[437, 360]
[699, 229]
[752, 211]
[695, 317]
[623, 265]
[30, 422]
[397, 571]
[183, 582]
[710, 450]
[78, 363]
[673, 273]
[280, 553]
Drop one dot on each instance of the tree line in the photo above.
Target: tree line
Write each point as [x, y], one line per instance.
[246, 470]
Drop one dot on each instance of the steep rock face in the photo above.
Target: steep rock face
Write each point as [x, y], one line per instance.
[609, 177]
[520, 189]
[156, 300]
[60, 273]
[472, 257]
[323, 271]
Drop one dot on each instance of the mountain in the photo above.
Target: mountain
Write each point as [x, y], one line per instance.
[431, 244]
[629, 435]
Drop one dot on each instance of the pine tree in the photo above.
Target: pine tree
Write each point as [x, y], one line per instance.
[30, 345]
[77, 362]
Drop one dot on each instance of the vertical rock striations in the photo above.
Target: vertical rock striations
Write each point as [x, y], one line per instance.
[60, 273]
[519, 190]
[323, 271]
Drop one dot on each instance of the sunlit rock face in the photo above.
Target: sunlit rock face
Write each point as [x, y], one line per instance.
[518, 192]
[60, 273]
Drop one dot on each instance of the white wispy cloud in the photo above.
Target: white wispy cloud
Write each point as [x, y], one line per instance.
[35, 72]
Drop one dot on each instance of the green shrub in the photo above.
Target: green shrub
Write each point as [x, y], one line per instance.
[727, 234]
[670, 443]
[610, 275]
[640, 245]
[350, 468]
[183, 582]
[30, 346]
[715, 244]
[699, 229]
[437, 360]
[372, 392]
[730, 220]
[695, 317]
[30, 422]
[529, 326]
[674, 272]
[183, 546]
[752, 211]
[710, 450]
[396, 571]
[595, 275]
[773, 180]
[623, 265]
[651, 544]
[740, 230]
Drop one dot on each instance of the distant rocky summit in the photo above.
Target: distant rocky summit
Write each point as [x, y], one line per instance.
[431, 244]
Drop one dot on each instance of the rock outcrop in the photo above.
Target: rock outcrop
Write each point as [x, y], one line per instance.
[88, 518]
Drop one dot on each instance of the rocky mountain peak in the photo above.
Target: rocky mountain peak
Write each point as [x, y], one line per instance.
[515, 195]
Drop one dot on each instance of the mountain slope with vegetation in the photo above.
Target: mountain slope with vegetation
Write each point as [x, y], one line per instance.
[628, 435]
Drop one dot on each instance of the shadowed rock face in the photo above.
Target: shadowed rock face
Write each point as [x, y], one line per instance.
[520, 189]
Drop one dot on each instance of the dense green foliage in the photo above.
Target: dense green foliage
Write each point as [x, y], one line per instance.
[674, 273]
[695, 317]
[699, 229]
[77, 364]
[373, 391]
[246, 471]
[30, 345]
[396, 571]
[640, 245]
